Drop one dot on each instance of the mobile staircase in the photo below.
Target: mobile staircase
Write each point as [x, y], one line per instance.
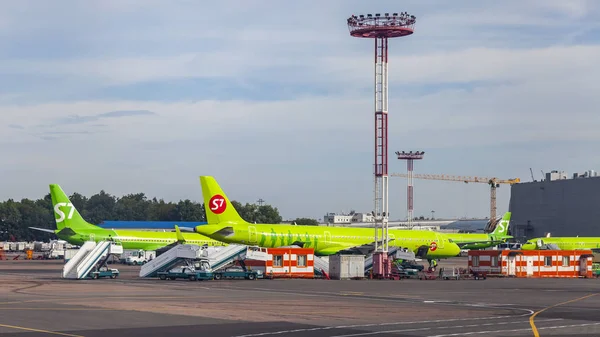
[227, 255]
[179, 254]
[217, 257]
[394, 253]
[89, 258]
[321, 266]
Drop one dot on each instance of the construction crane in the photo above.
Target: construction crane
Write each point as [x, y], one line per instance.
[493, 182]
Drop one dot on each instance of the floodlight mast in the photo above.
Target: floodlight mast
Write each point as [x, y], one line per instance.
[410, 157]
[381, 28]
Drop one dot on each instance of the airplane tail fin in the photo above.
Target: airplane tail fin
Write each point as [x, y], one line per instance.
[502, 226]
[65, 213]
[217, 206]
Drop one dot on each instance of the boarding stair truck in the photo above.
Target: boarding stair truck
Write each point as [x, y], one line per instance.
[227, 255]
[394, 253]
[90, 260]
[176, 256]
[100, 268]
[321, 266]
[225, 270]
[188, 254]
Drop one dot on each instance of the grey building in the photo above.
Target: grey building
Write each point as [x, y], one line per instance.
[557, 205]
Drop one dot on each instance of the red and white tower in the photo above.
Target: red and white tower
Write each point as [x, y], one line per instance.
[381, 28]
[410, 157]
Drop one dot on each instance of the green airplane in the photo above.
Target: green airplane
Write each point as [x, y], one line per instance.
[226, 225]
[564, 243]
[71, 227]
[482, 241]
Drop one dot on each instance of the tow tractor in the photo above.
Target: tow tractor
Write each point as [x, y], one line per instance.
[237, 272]
[199, 271]
[104, 271]
[185, 272]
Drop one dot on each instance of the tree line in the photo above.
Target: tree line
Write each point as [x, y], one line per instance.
[17, 216]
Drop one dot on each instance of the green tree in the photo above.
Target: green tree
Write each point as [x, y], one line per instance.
[100, 207]
[190, 211]
[17, 217]
[305, 222]
[265, 214]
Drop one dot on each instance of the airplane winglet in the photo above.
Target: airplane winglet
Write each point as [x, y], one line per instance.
[180, 237]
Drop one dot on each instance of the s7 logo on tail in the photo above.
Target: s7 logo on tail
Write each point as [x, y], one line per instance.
[501, 226]
[217, 204]
[61, 214]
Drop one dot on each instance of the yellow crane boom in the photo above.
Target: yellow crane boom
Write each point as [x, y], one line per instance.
[493, 182]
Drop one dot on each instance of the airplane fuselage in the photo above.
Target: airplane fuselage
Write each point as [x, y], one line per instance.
[328, 240]
[565, 243]
[146, 240]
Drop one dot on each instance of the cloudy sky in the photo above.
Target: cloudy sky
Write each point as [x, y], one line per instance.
[275, 99]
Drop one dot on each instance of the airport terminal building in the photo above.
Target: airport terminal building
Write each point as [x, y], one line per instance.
[558, 205]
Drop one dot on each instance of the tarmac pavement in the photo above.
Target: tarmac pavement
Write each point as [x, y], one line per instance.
[35, 301]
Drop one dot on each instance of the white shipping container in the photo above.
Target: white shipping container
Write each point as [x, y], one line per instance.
[346, 266]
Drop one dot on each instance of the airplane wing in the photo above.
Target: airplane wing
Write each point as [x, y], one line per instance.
[364, 249]
[462, 244]
[43, 229]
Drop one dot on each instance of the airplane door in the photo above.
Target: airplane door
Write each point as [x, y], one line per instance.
[583, 266]
[252, 235]
[529, 265]
[439, 240]
[327, 236]
[511, 266]
[392, 241]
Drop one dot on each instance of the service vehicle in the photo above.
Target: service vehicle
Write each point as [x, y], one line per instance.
[412, 265]
[104, 272]
[237, 272]
[139, 257]
[186, 273]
